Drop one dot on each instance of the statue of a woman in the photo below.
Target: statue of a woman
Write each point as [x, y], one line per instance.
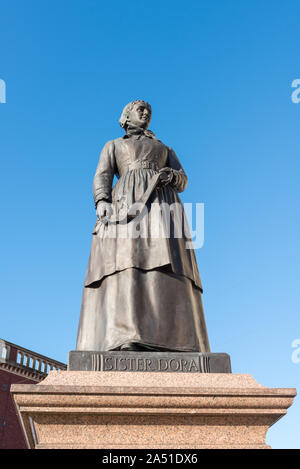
[142, 289]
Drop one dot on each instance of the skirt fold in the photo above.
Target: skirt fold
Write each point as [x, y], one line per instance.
[153, 307]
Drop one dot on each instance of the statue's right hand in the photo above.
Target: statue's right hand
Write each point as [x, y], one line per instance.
[104, 209]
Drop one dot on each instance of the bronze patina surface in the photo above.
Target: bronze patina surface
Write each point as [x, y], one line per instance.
[142, 291]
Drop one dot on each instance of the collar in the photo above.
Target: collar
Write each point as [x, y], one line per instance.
[138, 132]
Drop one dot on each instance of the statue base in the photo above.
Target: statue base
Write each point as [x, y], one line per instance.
[179, 362]
[117, 410]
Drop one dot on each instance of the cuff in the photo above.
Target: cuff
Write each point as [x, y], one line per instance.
[179, 180]
[102, 196]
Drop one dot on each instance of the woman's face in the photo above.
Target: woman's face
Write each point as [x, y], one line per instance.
[139, 115]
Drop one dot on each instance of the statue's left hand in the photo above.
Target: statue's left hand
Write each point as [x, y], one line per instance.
[166, 176]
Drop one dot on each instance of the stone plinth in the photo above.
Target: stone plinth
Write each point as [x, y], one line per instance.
[87, 409]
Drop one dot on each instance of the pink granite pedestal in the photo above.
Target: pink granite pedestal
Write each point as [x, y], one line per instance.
[87, 409]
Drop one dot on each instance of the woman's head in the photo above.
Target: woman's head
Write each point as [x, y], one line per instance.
[137, 113]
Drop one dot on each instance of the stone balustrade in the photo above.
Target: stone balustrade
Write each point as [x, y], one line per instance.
[22, 358]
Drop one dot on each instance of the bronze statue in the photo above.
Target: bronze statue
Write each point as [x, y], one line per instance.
[142, 290]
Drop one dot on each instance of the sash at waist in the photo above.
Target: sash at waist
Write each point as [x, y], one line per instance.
[140, 164]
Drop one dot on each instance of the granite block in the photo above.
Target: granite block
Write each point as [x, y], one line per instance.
[86, 409]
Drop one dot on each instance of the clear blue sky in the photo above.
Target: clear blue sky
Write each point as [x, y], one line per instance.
[218, 75]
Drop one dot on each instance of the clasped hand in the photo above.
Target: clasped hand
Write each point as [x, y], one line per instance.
[166, 176]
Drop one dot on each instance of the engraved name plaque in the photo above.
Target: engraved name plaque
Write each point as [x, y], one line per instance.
[174, 362]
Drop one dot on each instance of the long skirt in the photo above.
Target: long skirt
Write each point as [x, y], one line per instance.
[155, 308]
[145, 289]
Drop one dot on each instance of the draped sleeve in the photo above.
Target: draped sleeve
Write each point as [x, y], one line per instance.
[179, 181]
[103, 179]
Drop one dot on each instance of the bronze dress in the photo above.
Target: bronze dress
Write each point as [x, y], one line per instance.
[144, 287]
